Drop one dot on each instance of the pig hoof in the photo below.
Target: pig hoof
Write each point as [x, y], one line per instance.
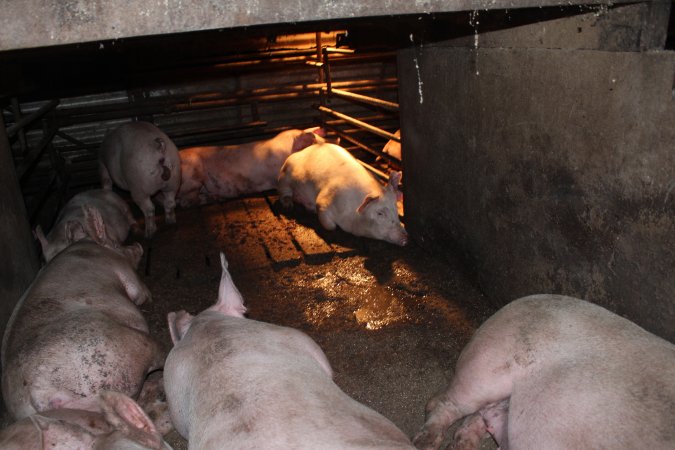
[286, 202]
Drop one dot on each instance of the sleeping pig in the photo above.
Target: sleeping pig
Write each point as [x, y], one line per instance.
[120, 424]
[114, 211]
[77, 330]
[556, 372]
[220, 172]
[141, 159]
[327, 179]
[237, 383]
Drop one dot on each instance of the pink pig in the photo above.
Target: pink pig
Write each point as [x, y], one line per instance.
[140, 158]
[236, 383]
[77, 331]
[114, 211]
[327, 179]
[120, 424]
[556, 372]
[220, 172]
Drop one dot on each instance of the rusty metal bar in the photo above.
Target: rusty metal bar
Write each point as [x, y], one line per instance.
[356, 122]
[362, 98]
[26, 120]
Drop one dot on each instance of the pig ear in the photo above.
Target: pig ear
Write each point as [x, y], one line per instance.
[41, 237]
[94, 226]
[303, 140]
[367, 201]
[316, 130]
[179, 324]
[74, 231]
[230, 302]
[125, 415]
[133, 252]
[395, 179]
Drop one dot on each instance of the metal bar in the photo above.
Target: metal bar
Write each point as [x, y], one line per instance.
[362, 98]
[29, 162]
[16, 110]
[363, 146]
[72, 140]
[356, 122]
[26, 120]
[347, 51]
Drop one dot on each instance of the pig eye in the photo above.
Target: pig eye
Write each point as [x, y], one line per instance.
[380, 213]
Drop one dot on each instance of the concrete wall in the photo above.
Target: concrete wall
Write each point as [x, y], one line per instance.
[19, 262]
[551, 171]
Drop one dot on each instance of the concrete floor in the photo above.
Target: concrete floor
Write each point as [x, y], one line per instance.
[392, 320]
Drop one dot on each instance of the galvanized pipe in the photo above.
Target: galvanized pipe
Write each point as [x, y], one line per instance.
[361, 98]
[356, 122]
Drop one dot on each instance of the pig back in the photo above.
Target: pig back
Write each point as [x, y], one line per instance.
[130, 153]
[271, 391]
[76, 331]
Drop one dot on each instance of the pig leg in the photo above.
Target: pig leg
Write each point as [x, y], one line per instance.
[285, 190]
[484, 375]
[145, 203]
[106, 180]
[169, 203]
[323, 210]
[470, 433]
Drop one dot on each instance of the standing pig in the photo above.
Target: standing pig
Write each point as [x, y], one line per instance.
[216, 173]
[556, 372]
[242, 384]
[121, 424]
[114, 211]
[77, 330]
[140, 158]
[328, 180]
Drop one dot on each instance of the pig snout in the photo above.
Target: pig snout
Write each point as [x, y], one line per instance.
[399, 237]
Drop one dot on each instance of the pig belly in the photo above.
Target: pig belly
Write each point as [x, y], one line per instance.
[68, 363]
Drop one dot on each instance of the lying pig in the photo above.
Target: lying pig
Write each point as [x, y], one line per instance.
[327, 179]
[140, 158]
[121, 424]
[115, 212]
[217, 173]
[555, 372]
[247, 384]
[392, 147]
[77, 330]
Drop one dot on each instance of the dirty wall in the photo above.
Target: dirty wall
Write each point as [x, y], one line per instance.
[552, 171]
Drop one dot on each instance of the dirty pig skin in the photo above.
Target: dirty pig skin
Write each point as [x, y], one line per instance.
[556, 372]
[120, 424]
[77, 331]
[140, 158]
[236, 383]
[114, 211]
[327, 179]
[220, 172]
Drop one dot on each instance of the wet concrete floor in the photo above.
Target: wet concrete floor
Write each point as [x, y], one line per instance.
[391, 320]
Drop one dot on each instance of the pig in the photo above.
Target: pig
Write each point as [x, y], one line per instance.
[115, 212]
[140, 158]
[120, 424]
[327, 179]
[392, 147]
[221, 172]
[557, 372]
[77, 330]
[251, 384]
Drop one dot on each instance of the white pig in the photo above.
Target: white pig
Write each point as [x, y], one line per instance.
[237, 383]
[120, 425]
[221, 172]
[115, 212]
[327, 179]
[392, 147]
[556, 372]
[141, 159]
[77, 330]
